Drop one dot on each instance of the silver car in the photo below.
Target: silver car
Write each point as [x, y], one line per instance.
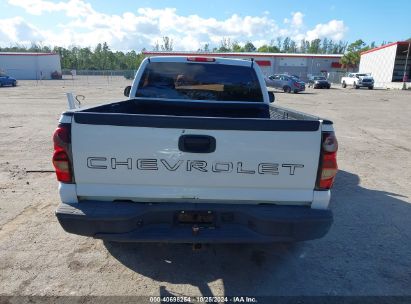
[286, 83]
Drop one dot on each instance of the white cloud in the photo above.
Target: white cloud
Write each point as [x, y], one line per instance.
[142, 28]
[17, 30]
[334, 29]
[38, 7]
[297, 19]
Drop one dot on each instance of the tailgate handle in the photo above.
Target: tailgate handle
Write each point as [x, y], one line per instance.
[197, 143]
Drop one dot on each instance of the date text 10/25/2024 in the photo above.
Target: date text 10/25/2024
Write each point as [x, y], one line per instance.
[201, 299]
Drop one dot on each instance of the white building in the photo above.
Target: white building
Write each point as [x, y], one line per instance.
[301, 65]
[34, 66]
[387, 63]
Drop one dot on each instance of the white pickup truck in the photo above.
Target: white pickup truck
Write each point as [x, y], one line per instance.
[358, 80]
[197, 154]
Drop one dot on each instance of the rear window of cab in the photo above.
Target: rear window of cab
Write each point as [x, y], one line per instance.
[199, 81]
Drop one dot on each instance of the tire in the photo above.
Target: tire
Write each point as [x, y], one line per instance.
[328, 87]
[370, 88]
[14, 84]
[344, 85]
[287, 89]
[355, 86]
[295, 91]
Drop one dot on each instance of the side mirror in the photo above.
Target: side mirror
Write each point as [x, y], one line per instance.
[271, 96]
[127, 91]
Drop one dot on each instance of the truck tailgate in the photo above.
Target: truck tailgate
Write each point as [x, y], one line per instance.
[141, 161]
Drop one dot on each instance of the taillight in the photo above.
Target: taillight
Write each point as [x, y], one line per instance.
[61, 156]
[297, 84]
[61, 137]
[61, 163]
[201, 59]
[328, 161]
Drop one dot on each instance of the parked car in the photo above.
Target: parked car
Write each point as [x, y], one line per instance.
[7, 80]
[318, 82]
[56, 75]
[211, 161]
[286, 83]
[358, 80]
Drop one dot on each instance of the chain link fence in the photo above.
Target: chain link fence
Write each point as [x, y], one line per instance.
[73, 78]
[128, 74]
[335, 77]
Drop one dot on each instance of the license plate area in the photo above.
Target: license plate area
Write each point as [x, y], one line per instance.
[200, 218]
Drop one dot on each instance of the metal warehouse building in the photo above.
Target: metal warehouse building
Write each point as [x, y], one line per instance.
[388, 64]
[33, 66]
[302, 65]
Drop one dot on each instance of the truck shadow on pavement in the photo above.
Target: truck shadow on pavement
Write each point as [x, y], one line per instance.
[370, 234]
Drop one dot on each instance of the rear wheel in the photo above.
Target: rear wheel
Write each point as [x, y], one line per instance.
[295, 91]
[14, 84]
[287, 89]
[371, 87]
[344, 85]
[328, 86]
[355, 85]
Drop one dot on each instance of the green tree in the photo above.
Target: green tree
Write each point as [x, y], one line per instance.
[85, 58]
[236, 47]
[339, 48]
[74, 57]
[286, 45]
[268, 49]
[293, 47]
[249, 47]
[97, 57]
[225, 45]
[330, 47]
[314, 47]
[279, 43]
[351, 58]
[102, 57]
[304, 46]
[205, 48]
[325, 46]
[167, 45]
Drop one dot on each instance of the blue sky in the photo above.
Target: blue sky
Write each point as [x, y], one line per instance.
[130, 24]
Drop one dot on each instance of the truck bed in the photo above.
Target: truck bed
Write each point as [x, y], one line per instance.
[200, 109]
[198, 115]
